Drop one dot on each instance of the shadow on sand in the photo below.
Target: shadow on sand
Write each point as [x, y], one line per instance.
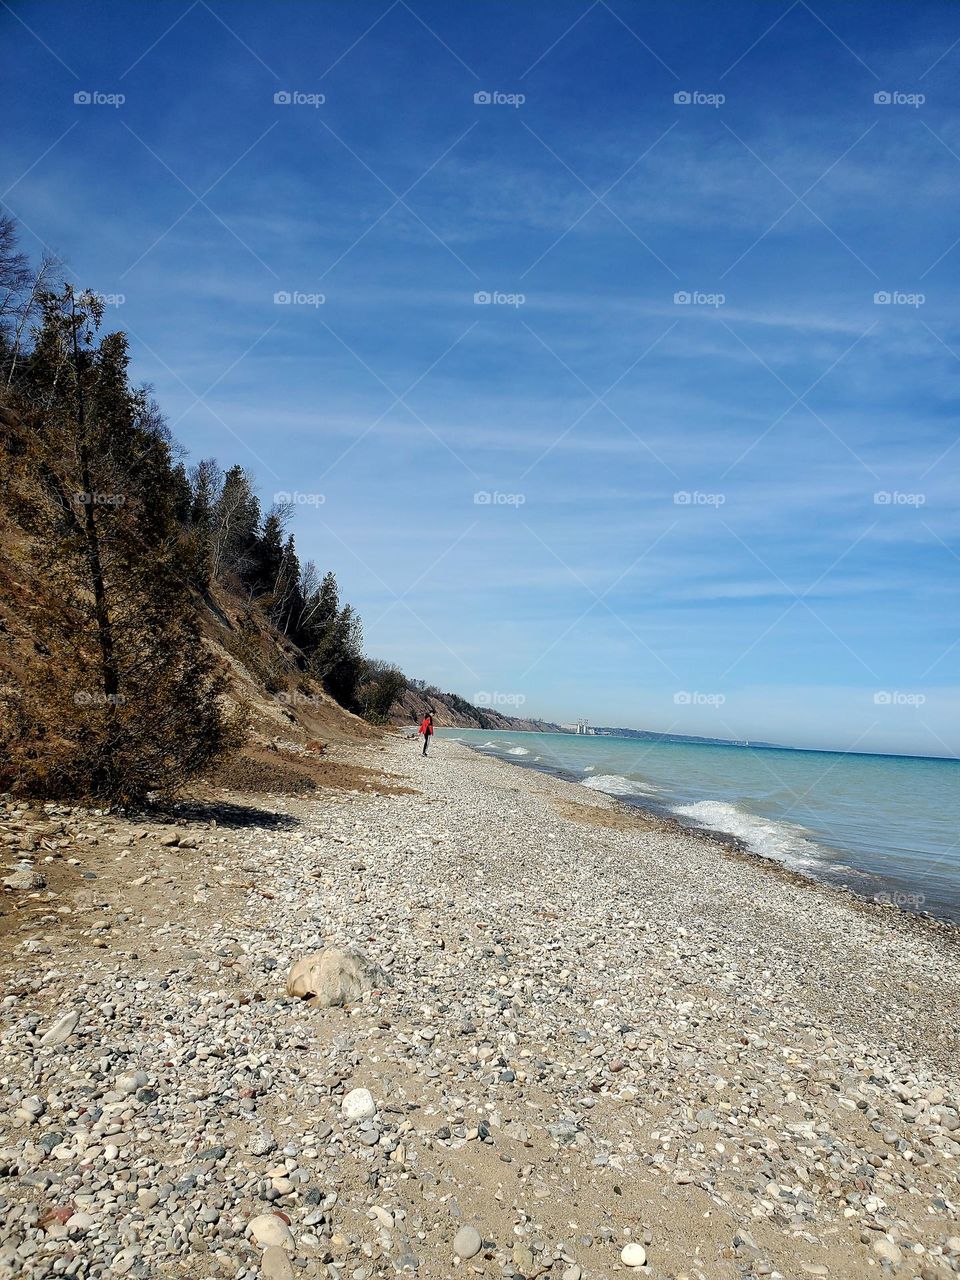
[226, 814]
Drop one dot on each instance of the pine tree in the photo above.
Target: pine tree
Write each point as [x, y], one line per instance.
[332, 638]
[206, 485]
[111, 549]
[288, 601]
[347, 664]
[182, 496]
[268, 560]
[381, 686]
[121, 698]
[319, 627]
[236, 528]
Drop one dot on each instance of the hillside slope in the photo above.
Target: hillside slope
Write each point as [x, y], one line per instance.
[251, 621]
[451, 711]
[294, 723]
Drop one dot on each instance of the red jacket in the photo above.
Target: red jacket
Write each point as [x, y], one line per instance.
[426, 726]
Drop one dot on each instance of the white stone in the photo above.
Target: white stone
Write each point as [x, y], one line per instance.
[633, 1255]
[358, 1104]
[268, 1229]
[467, 1243]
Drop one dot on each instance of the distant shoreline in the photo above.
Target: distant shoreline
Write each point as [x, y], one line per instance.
[651, 735]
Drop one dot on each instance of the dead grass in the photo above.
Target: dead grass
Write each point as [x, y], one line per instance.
[262, 771]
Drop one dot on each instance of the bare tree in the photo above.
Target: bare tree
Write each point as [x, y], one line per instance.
[21, 288]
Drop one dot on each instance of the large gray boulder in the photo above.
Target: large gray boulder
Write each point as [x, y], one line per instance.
[334, 977]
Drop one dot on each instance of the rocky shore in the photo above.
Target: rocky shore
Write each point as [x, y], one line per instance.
[577, 1045]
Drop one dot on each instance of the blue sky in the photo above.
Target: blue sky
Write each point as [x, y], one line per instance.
[684, 530]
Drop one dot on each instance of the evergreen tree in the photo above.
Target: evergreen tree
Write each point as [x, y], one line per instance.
[111, 546]
[381, 686]
[319, 627]
[332, 638]
[236, 528]
[182, 495]
[206, 485]
[122, 698]
[288, 601]
[268, 560]
[347, 662]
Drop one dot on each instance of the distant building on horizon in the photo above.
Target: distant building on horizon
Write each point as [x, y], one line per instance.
[581, 726]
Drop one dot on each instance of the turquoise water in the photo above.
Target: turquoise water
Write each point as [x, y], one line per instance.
[886, 826]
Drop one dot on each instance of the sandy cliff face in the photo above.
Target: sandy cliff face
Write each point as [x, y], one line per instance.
[450, 711]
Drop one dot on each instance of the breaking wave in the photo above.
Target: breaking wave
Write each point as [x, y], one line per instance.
[780, 841]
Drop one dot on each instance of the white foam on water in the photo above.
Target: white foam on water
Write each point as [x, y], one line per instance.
[613, 784]
[780, 841]
[518, 751]
[589, 768]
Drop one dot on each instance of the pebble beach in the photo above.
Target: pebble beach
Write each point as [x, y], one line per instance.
[587, 1045]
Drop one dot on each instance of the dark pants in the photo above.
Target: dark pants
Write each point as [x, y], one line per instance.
[426, 742]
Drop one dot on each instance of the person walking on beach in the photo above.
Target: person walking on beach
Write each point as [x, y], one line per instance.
[426, 728]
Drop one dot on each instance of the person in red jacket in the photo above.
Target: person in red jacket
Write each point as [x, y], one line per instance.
[426, 728]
